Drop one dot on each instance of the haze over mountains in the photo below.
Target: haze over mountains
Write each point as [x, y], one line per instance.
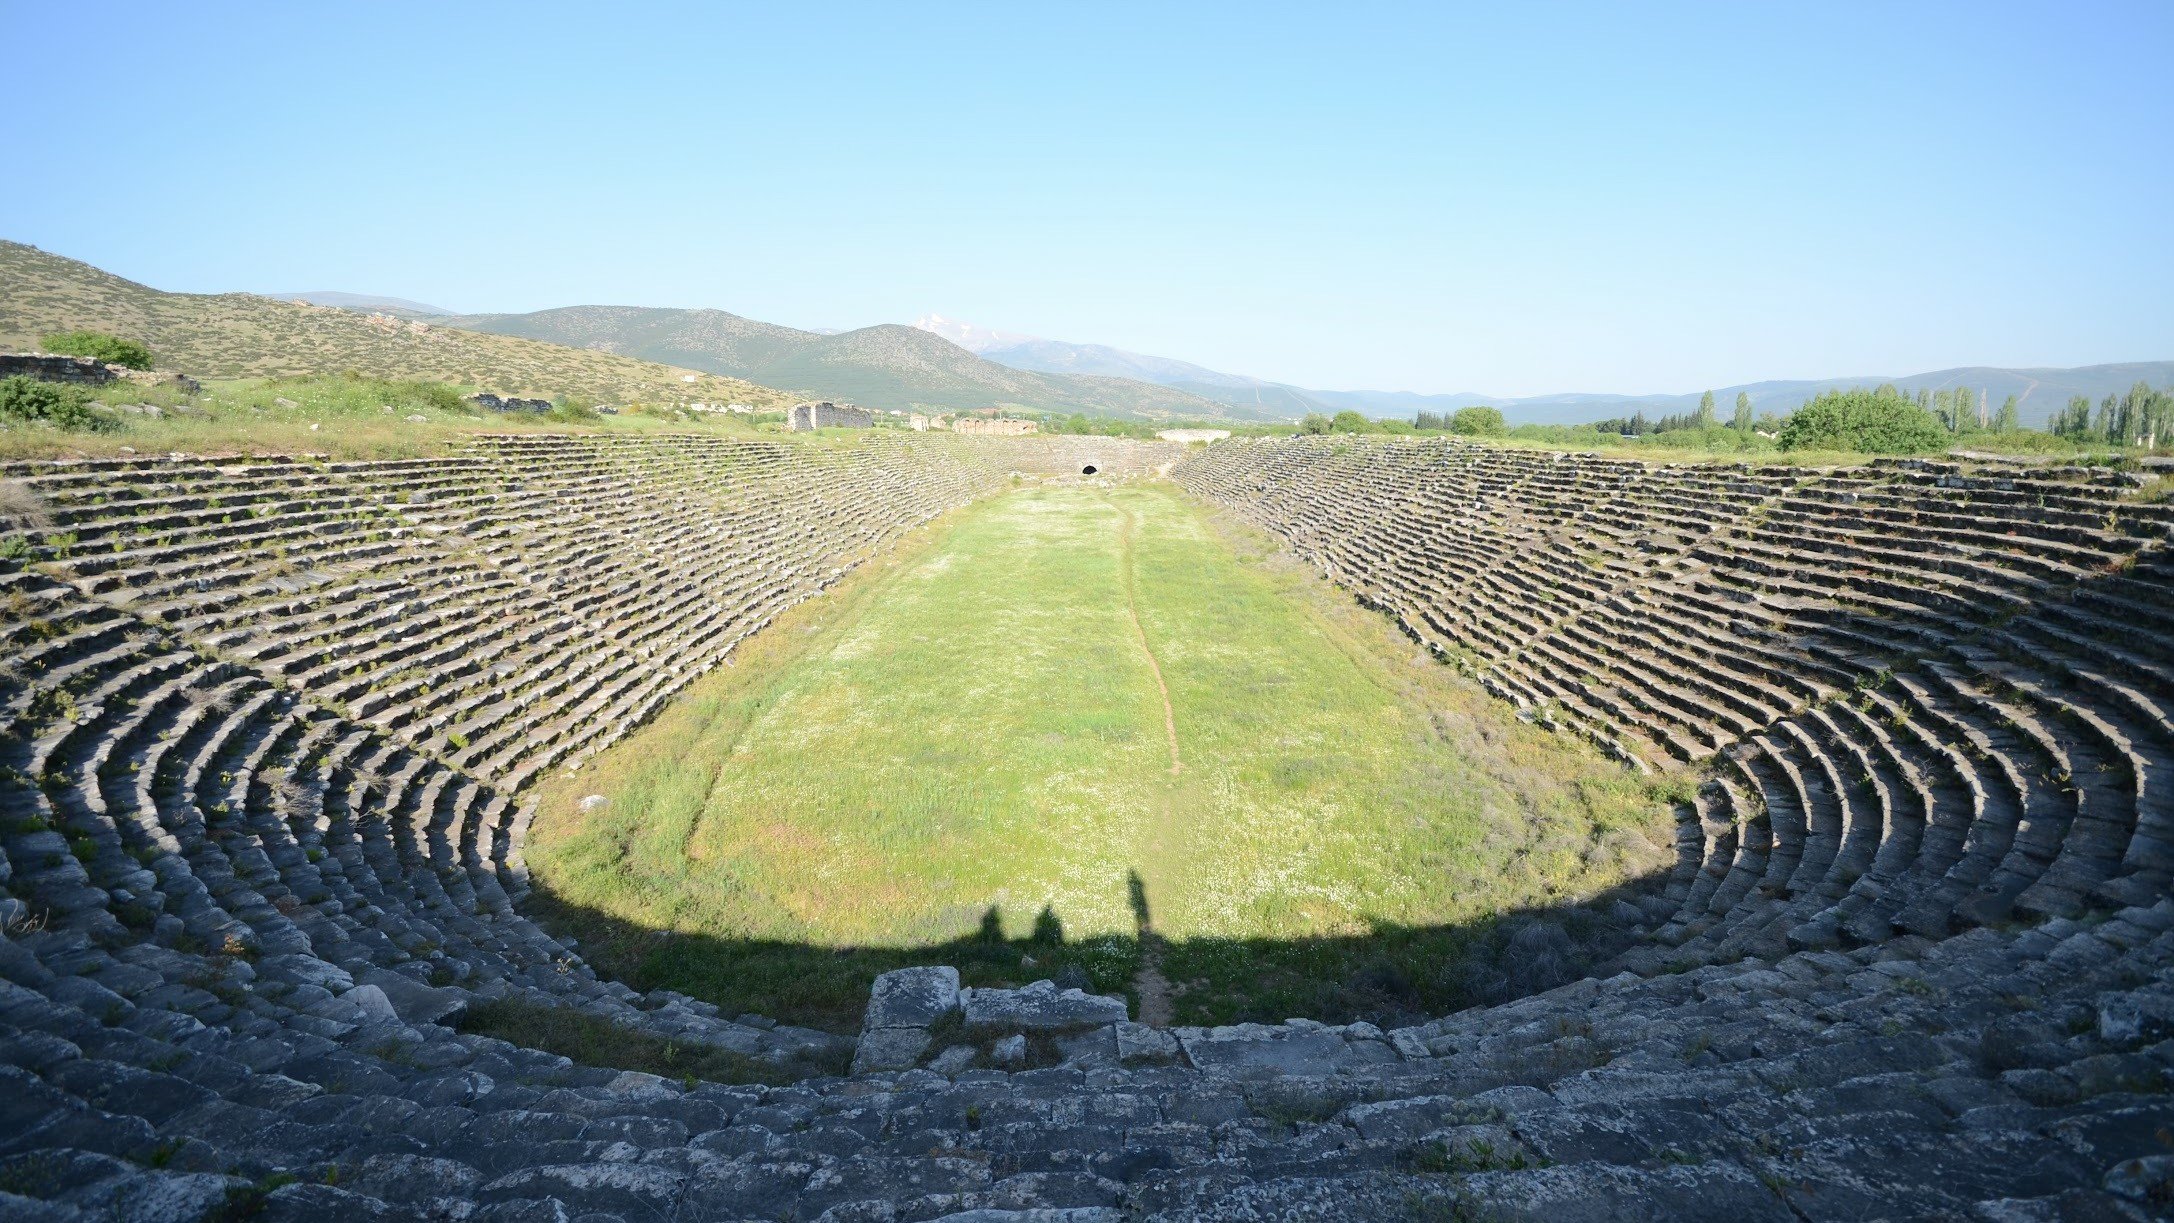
[938, 362]
[886, 366]
[398, 307]
[949, 363]
[2039, 392]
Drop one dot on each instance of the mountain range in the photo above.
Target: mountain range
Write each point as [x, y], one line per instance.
[367, 303]
[631, 352]
[1241, 395]
[886, 366]
[2039, 392]
[245, 335]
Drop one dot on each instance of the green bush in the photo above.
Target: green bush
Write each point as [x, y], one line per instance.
[346, 394]
[1314, 425]
[443, 396]
[59, 404]
[2019, 441]
[1478, 420]
[98, 346]
[1867, 421]
[1348, 421]
[1712, 437]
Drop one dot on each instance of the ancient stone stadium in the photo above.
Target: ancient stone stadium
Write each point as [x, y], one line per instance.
[277, 728]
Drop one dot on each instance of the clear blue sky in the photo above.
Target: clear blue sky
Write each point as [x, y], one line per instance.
[1504, 198]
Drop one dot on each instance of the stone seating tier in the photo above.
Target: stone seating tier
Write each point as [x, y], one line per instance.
[273, 728]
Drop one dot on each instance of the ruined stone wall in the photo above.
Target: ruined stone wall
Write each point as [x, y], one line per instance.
[49, 368]
[826, 415]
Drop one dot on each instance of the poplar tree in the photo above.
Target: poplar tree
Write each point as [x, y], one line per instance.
[2075, 419]
[1742, 421]
[1706, 416]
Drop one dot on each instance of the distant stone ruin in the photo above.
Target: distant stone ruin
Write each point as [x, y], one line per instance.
[1000, 426]
[823, 414]
[85, 371]
[507, 403]
[46, 367]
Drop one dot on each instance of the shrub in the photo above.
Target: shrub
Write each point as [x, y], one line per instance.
[57, 404]
[1712, 437]
[1477, 420]
[98, 346]
[1348, 421]
[1315, 424]
[443, 396]
[1866, 421]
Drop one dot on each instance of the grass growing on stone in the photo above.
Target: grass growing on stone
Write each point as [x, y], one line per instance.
[961, 757]
[591, 1041]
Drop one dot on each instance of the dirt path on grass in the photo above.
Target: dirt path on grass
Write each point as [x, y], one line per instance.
[1139, 634]
[1157, 1009]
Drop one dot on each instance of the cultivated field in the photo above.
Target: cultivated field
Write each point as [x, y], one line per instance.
[964, 755]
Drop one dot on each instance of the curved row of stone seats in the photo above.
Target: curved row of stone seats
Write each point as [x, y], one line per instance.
[180, 620]
[461, 645]
[1991, 1076]
[1913, 693]
[162, 797]
[248, 880]
[278, 713]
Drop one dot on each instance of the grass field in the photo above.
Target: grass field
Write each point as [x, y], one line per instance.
[964, 755]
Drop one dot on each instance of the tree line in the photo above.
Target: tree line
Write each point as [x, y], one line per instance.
[2142, 417]
[1875, 420]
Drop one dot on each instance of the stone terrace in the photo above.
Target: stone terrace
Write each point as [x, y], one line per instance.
[273, 724]
[1918, 699]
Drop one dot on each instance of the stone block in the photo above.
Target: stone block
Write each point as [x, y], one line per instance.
[889, 1049]
[418, 1003]
[2136, 1015]
[1137, 1043]
[1040, 1006]
[912, 997]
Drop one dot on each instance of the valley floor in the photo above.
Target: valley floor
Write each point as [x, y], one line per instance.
[1054, 717]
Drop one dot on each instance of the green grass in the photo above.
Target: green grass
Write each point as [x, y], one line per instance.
[343, 416]
[969, 737]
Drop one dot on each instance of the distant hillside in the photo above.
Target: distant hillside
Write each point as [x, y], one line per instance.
[2039, 392]
[398, 307]
[240, 335]
[888, 366]
[1243, 396]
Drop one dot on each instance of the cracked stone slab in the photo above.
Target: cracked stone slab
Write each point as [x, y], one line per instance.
[889, 1049]
[912, 997]
[1041, 1006]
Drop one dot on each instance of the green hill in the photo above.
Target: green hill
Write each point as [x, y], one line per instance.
[888, 366]
[241, 335]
